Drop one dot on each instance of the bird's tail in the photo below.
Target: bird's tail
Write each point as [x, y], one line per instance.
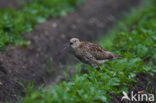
[116, 56]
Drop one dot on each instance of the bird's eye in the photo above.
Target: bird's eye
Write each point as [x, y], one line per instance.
[71, 43]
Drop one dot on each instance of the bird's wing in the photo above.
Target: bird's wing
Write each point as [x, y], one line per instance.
[82, 54]
[98, 52]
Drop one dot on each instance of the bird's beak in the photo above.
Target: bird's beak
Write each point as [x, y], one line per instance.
[67, 45]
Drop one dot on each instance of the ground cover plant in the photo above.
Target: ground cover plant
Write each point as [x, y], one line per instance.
[15, 22]
[135, 40]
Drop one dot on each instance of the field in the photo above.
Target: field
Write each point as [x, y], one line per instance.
[133, 37]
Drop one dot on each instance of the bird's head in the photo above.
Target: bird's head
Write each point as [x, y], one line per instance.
[74, 42]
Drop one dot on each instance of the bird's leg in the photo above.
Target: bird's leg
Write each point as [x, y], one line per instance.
[97, 68]
[91, 60]
[93, 65]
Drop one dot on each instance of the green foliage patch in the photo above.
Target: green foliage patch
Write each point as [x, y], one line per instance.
[137, 45]
[15, 22]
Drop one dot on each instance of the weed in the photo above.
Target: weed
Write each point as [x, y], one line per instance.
[14, 23]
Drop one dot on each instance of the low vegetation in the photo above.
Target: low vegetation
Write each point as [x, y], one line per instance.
[15, 22]
[134, 39]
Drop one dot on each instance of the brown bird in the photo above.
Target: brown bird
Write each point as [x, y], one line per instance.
[91, 53]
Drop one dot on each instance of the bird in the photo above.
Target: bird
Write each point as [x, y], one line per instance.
[90, 53]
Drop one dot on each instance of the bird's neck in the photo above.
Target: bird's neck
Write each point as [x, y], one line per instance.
[76, 46]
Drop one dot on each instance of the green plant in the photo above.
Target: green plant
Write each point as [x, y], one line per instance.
[14, 23]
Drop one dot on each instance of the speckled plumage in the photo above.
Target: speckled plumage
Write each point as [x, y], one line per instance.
[91, 53]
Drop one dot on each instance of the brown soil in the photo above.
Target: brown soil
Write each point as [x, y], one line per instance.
[91, 20]
[11, 3]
